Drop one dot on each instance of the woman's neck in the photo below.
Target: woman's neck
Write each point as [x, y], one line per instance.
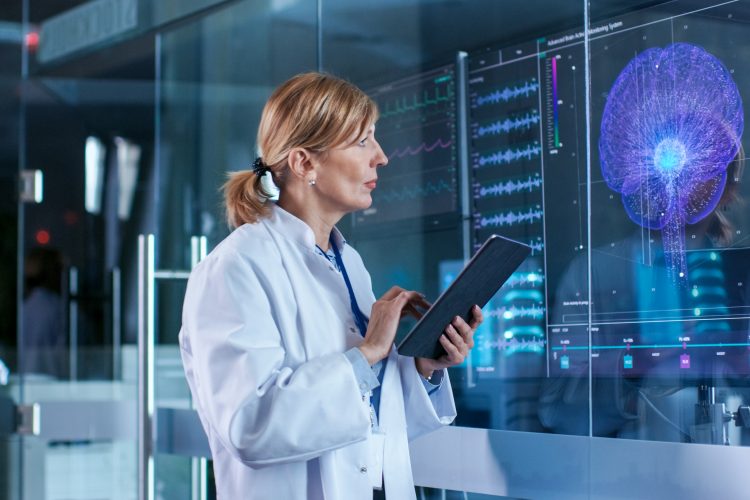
[320, 223]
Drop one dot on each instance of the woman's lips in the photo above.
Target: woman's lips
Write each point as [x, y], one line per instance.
[371, 184]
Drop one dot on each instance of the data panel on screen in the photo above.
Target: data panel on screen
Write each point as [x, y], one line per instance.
[417, 131]
[669, 263]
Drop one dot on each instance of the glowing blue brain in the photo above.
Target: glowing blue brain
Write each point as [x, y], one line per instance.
[671, 126]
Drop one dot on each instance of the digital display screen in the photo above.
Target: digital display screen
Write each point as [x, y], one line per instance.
[669, 262]
[417, 131]
[657, 193]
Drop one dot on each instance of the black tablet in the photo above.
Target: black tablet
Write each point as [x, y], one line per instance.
[479, 280]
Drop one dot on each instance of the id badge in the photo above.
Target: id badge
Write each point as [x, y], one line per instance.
[377, 451]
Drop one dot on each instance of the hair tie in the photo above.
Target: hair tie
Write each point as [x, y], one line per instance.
[260, 168]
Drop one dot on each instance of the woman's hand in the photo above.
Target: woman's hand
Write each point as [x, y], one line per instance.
[457, 341]
[386, 313]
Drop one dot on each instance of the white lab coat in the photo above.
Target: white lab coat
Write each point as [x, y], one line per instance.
[266, 321]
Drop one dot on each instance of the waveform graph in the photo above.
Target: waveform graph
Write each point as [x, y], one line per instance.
[422, 101]
[515, 316]
[504, 125]
[417, 131]
[522, 279]
[411, 194]
[533, 312]
[505, 93]
[514, 345]
[536, 244]
[404, 192]
[506, 156]
[421, 148]
[500, 188]
[520, 216]
[417, 99]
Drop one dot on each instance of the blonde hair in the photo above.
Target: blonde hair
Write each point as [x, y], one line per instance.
[314, 111]
[721, 229]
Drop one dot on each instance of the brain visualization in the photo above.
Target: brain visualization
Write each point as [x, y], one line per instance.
[672, 124]
[619, 163]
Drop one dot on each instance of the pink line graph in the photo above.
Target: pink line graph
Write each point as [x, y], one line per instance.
[400, 153]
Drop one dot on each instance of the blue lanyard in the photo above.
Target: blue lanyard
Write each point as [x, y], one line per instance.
[362, 322]
[359, 317]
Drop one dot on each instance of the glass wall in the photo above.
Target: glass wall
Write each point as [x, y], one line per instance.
[668, 268]
[215, 74]
[607, 136]
[629, 319]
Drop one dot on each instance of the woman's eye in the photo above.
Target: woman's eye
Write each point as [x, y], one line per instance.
[363, 142]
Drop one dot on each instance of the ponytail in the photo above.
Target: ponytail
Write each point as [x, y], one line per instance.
[245, 198]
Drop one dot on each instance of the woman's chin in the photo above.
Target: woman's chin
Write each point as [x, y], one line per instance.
[366, 202]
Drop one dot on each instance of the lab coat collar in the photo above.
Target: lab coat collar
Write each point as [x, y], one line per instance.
[297, 230]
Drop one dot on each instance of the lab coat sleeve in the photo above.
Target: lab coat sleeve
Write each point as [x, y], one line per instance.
[262, 411]
[424, 413]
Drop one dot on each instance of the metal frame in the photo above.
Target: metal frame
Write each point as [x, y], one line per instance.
[147, 276]
[146, 311]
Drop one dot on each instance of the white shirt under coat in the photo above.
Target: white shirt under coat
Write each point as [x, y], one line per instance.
[266, 322]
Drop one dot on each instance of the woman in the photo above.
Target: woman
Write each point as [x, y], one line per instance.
[287, 352]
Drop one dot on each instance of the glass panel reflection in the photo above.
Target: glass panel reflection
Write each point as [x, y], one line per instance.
[669, 253]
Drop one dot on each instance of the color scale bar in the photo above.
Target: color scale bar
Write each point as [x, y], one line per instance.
[554, 102]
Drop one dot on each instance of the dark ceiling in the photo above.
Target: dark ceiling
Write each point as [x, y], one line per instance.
[39, 10]
[398, 32]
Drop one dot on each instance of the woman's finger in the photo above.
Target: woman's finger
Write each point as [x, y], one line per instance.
[457, 340]
[393, 292]
[412, 311]
[462, 327]
[405, 298]
[453, 353]
[422, 302]
[450, 349]
[454, 336]
[477, 317]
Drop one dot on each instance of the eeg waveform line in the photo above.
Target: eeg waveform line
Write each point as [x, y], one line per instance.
[514, 344]
[536, 246]
[509, 93]
[534, 312]
[508, 124]
[509, 187]
[409, 151]
[414, 192]
[510, 155]
[523, 279]
[511, 218]
[404, 105]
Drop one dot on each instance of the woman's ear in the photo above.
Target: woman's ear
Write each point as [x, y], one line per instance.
[301, 162]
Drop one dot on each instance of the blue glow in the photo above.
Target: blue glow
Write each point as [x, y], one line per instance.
[670, 156]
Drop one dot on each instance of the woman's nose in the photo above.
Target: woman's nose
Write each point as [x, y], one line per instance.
[382, 159]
